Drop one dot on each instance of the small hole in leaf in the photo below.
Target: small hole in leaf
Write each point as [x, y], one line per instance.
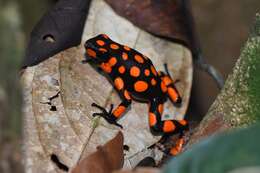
[60, 165]
[126, 147]
[53, 108]
[49, 38]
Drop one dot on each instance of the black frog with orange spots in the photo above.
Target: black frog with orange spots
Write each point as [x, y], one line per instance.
[135, 77]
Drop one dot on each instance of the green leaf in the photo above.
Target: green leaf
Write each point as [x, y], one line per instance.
[233, 152]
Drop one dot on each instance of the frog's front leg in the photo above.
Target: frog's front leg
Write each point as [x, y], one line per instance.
[172, 91]
[165, 127]
[113, 115]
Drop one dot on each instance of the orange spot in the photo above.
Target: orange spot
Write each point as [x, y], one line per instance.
[105, 36]
[102, 50]
[126, 94]
[121, 69]
[174, 151]
[127, 48]
[152, 119]
[91, 53]
[106, 67]
[183, 122]
[112, 61]
[100, 42]
[114, 46]
[147, 72]
[177, 149]
[124, 56]
[134, 71]
[173, 94]
[163, 87]
[139, 59]
[160, 108]
[179, 143]
[140, 86]
[153, 70]
[153, 81]
[167, 80]
[119, 111]
[168, 126]
[119, 83]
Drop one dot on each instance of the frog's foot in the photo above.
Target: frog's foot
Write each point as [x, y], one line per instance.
[108, 116]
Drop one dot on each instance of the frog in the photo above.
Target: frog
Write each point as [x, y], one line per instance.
[134, 77]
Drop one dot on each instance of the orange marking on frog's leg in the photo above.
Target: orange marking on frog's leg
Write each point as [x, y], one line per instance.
[106, 67]
[91, 53]
[140, 86]
[100, 42]
[134, 71]
[167, 80]
[160, 108]
[119, 111]
[168, 126]
[173, 94]
[152, 119]
[127, 95]
[139, 58]
[121, 69]
[183, 122]
[124, 56]
[178, 147]
[171, 89]
[153, 70]
[163, 87]
[119, 83]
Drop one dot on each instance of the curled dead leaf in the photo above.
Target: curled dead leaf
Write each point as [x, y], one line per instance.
[171, 19]
[106, 159]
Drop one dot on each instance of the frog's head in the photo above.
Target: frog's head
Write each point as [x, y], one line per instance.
[98, 48]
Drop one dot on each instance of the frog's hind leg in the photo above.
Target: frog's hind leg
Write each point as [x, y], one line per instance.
[160, 127]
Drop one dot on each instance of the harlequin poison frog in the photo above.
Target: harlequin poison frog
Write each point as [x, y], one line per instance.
[135, 77]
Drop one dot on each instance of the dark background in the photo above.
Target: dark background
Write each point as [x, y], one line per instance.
[223, 27]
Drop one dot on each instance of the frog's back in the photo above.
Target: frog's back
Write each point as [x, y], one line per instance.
[138, 73]
[134, 70]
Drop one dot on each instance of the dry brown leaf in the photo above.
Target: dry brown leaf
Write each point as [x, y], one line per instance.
[106, 159]
[140, 170]
[64, 126]
[168, 19]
